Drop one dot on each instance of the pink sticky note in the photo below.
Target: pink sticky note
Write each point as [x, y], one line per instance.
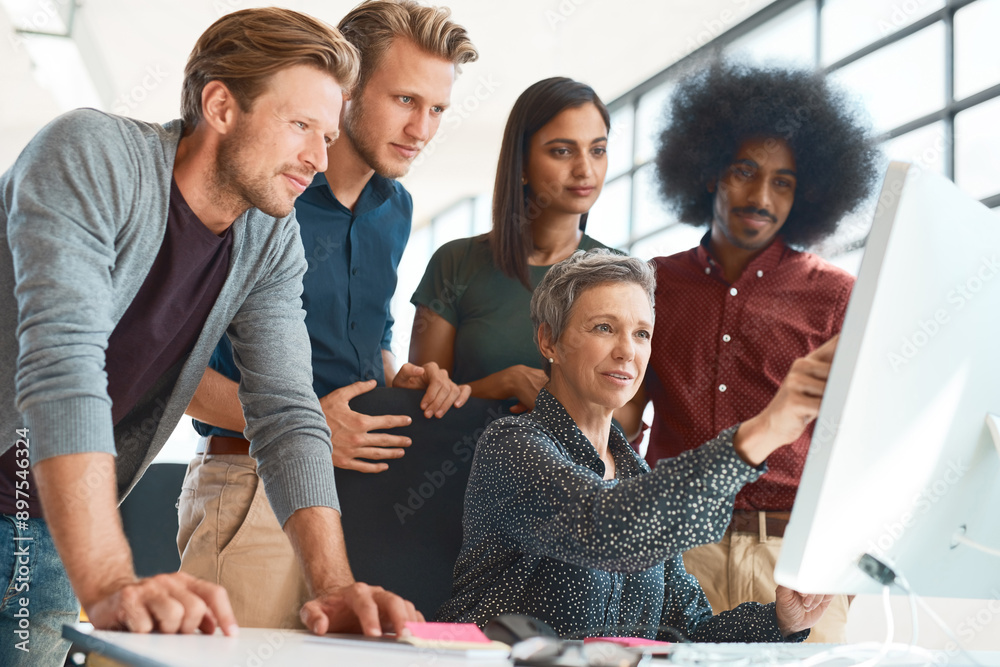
[450, 632]
[627, 641]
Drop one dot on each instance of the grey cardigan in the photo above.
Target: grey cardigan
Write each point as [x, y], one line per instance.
[83, 212]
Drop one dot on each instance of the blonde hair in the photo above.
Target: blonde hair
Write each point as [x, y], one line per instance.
[243, 49]
[372, 25]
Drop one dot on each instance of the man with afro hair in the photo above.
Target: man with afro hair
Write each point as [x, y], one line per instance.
[770, 160]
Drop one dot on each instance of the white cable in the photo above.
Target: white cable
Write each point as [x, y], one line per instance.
[890, 631]
[901, 581]
[914, 598]
[914, 623]
[976, 545]
[944, 626]
[860, 650]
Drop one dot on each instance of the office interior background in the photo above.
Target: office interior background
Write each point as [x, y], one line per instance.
[926, 70]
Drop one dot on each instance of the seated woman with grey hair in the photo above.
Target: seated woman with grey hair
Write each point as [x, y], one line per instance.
[566, 523]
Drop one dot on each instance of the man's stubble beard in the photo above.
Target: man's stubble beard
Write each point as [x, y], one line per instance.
[366, 144]
[237, 187]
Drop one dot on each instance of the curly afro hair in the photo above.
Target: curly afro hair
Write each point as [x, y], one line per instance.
[714, 111]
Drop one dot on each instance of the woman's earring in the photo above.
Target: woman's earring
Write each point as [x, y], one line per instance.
[524, 180]
[551, 360]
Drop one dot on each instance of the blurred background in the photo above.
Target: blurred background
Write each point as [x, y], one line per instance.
[926, 70]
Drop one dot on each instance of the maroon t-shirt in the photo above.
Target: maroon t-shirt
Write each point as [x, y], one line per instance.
[160, 327]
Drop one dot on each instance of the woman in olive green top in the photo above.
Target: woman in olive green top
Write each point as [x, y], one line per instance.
[472, 303]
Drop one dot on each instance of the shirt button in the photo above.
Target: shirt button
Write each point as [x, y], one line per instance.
[760, 274]
[726, 338]
[354, 271]
[733, 291]
[354, 325]
[722, 387]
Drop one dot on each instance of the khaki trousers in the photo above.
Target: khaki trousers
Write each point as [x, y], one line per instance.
[229, 535]
[740, 569]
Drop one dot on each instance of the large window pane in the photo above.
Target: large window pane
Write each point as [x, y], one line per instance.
[608, 219]
[649, 120]
[924, 147]
[977, 149]
[849, 261]
[40, 16]
[901, 82]
[976, 63]
[851, 229]
[455, 223]
[411, 269]
[789, 38]
[482, 220]
[849, 25]
[649, 212]
[620, 141]
[673, 239]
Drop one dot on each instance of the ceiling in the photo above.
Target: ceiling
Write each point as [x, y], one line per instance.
[136, 51]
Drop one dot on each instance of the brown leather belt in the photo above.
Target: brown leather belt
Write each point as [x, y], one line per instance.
[223, 445]
[764, 524]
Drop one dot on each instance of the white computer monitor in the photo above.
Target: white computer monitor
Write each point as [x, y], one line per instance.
[902, 457]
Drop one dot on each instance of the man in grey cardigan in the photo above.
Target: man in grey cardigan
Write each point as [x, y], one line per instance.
[128, 249]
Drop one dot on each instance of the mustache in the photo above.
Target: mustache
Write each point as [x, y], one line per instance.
[750, 210]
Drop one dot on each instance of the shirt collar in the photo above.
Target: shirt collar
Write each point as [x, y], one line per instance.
[551, 414]
[376, 192]
[763, 263]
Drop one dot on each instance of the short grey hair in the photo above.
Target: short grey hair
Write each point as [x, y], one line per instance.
[553, 299]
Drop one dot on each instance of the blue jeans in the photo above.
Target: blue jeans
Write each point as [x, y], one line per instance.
[37, 596]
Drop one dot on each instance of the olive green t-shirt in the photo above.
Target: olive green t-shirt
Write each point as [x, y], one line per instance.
[489, 310]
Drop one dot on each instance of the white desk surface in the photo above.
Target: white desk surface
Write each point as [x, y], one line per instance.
[257, 647]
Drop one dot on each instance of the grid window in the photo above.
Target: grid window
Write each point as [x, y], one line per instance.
[675, 238]
[649, 212]
[620, 142]
[902, 81]
[977, 149]
[849, 25]
[924, 147]
[925, 70]
[790, 38]
[608, 220]
[649, 116]
[976, 63]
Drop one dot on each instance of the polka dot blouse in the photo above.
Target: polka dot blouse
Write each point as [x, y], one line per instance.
[547, 536]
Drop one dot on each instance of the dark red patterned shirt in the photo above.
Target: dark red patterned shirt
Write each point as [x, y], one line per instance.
[721, 350]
